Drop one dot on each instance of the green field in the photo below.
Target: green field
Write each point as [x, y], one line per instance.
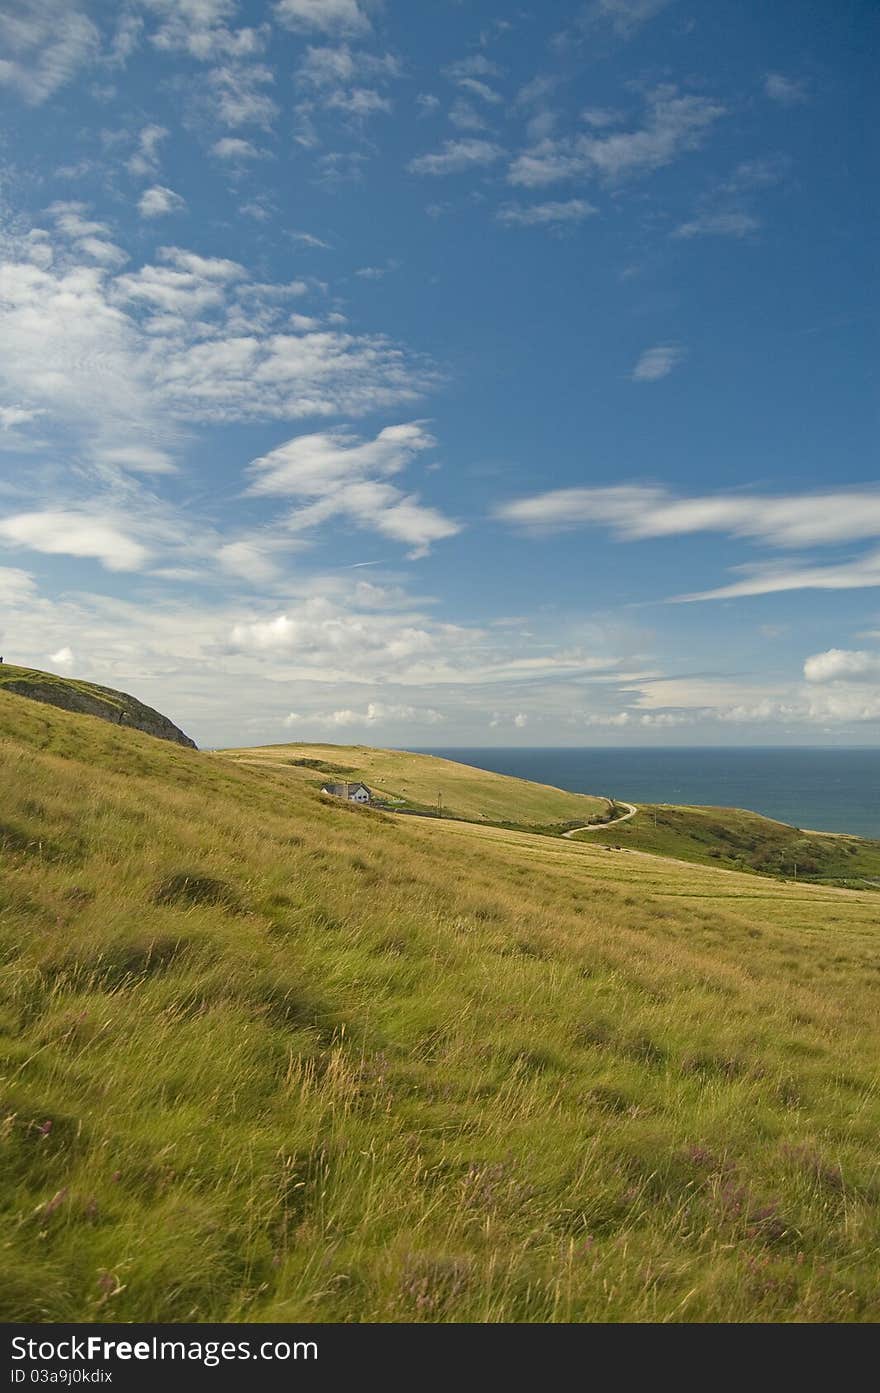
[270, 1057]
[425, 783]
[746, 841]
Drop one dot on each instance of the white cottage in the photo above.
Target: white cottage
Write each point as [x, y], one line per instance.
[354, 793]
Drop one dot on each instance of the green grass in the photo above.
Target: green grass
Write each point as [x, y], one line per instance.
[413, 781]
[269, 1057]
[32, 677]
[734, 838]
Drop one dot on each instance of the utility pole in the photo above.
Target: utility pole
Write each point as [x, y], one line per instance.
[439, 804]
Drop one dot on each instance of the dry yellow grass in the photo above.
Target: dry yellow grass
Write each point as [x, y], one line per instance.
[269, 1057]
[421, 780]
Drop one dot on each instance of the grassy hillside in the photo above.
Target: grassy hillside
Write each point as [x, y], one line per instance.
[415, 781]
[734, 838]
[87, 699]
[271, 1057]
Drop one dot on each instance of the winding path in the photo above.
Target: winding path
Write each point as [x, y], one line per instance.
[603, 826]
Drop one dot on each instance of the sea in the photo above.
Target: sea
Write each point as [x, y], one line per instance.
[827, 789]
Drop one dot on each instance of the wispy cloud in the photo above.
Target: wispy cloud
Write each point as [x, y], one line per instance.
[81, 533]
[787, 91]
[328, 16]
[344, 476]
[657, 363]
[776, 578]
[572, 210]
[144, 163]
[637, 511]
[235, 151]
[674, 124]
[43, 44]
[457, 156]
[719, 224]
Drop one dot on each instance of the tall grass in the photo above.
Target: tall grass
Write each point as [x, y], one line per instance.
[267, 1057]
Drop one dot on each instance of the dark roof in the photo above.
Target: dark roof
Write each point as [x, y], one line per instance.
[344, 790]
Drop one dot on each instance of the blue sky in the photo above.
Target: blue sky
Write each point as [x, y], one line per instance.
[450, 372]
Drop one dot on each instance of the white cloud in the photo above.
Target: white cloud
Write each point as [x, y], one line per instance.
[76, 533]
[239, 95]
[656, 363]
[144, 163]
[329, 16]
[308, 465]
[155, 202]
[376, 713]
[90, 239]
[63, 659]
[200, 28]
[476, 65]
[674, 124]
[520, 720]
[12, 416]
[853, 665]
[787, 91]
[342, 477]
[107, 368]
[719, 224]
[235, 150]
[43, 43]
[637, 511]
[456, 156]
[776, 577]
[626, 17]
[359, 103]
[572, 210]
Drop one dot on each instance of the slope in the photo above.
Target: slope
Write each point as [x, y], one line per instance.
[266, 1056]
[424, 783]
[747, 841]
[87, 699]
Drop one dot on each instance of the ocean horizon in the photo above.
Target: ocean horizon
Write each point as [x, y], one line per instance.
[821, 788]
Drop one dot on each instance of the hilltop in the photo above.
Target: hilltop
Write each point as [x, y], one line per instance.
[424, 783]
[87, 699]
[269, 1056]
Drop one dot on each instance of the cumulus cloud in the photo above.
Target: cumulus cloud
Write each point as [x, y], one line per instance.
[43, 44]
[63, 659]
[851, 665]
[656, 363]
[156, 201]
[376, 713]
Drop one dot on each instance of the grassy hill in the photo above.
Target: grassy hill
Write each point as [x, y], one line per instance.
[87, 699]
[411, 781]
[746, 841]
[266, 1056]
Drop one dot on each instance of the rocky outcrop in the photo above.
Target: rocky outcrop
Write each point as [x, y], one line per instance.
[86, 699]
